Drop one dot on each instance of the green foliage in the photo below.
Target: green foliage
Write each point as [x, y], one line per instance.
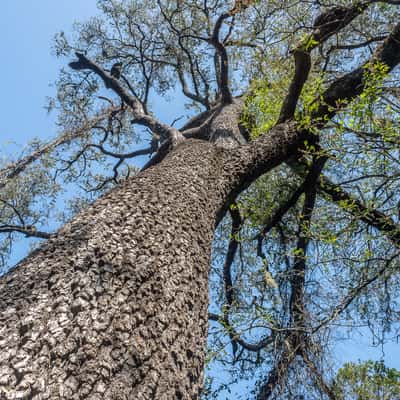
[362, 112]
[369, 380]
[310, 99]
[264, 99]
[363, 140]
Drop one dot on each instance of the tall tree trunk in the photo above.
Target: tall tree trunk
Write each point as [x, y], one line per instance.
[115, 305]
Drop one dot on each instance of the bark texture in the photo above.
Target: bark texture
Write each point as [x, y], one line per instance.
[115, 306]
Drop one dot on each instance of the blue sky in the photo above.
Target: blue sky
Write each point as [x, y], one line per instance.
[28, 67]
[26, 73]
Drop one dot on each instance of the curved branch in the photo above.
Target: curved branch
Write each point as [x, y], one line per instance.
[354, 206]
[187, 92]
[278, 372]
[353, 293]
[255, 347]
[318, 376]
[334, 19]
[325, 25]
[123, 156]
[166, 132]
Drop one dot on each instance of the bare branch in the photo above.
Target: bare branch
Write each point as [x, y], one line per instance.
[223, 79]
[13, 170]
[254, 347]
[166, 132]
[353, 293]
[319, 379]
[28, 231]
[356, 45]
[278, 372]
[368, 215]
[122, 156]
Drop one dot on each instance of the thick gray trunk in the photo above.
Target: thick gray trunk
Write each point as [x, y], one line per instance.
[115, 307]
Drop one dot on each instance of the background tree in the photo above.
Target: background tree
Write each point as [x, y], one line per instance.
[114, 304]
[367, 381]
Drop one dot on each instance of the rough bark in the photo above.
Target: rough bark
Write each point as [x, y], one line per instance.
[107, 308]
[115, 305]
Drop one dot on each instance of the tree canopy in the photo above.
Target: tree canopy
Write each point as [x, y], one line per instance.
[367, 381]
[302, 255]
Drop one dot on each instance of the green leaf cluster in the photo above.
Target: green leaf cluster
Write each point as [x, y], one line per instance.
[369, 380]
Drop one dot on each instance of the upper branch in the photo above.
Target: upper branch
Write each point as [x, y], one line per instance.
[325, 25]
[223, 79]
[302, 69]
[353, 293]
[334, 19]
[166, 132]
[346, 88]
[275, 218]
[253, 347]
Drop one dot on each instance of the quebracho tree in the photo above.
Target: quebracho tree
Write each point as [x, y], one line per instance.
[114, 305]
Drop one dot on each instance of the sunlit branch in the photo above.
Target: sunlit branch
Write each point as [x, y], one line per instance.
[333, 20]
[223, 78]
[302, 68]
[325, 25]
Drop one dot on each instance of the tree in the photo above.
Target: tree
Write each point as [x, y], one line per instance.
[115, 303]
[367, 381]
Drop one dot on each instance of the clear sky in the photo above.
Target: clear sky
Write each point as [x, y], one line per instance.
[27, 70]
[28, 67]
